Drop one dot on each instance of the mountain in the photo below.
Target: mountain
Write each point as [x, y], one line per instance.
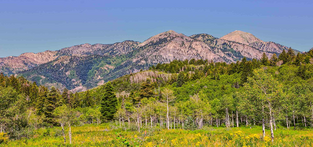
[85, 66]
[12, 65]
[251, 40]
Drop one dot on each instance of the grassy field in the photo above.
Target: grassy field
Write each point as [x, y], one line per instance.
[109, 135]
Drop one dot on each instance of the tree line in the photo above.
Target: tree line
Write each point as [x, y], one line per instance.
[272, 93]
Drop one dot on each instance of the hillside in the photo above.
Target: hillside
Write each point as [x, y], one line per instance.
[85, 66]
[197, 98]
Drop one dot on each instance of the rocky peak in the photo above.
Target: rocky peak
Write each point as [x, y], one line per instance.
[165, 36]
[241, 37]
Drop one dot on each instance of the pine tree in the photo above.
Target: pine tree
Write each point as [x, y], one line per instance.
[88, 99]
[274, 60]
[283, 57]
[246, 72]
[180, 79]
[298, 59]
[290, 55]
[264, 60]
[243, 63]
[50, 105]
[65, 96]
[14, 83]
[40, 100]
[109, 103]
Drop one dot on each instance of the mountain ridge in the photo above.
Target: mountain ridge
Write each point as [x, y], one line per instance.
[85, 66]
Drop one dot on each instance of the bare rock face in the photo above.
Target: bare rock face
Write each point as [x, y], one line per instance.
[169, 46]
[12, 65]
[100, 49]
[241, 37]
[251, 40]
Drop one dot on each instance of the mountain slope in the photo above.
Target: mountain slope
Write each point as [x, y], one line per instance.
[86, 66]
[11, 65]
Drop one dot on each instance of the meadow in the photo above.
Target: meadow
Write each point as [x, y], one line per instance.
[115, 136]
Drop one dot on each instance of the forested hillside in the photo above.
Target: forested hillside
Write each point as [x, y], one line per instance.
[189, 94]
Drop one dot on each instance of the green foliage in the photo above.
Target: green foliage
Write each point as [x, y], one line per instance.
[50, 104]
[108, 103]
[205, 93]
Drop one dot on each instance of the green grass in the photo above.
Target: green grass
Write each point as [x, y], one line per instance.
[110, 135]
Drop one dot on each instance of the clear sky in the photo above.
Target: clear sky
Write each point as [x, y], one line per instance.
[39, 25]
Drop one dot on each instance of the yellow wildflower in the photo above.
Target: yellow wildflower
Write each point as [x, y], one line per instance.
[149, 144]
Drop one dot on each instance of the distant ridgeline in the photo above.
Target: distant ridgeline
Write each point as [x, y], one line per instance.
[256, 92]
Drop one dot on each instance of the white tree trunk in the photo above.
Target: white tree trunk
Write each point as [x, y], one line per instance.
[174, 123]
[161, 122]
[232, 119]
[227, 123]
[138, 122]
[70, 133]
[263, 123]
[271, 121]
[167, 116]
[200, 123]
[287, 122]
[128, 122]
[63, 132]
[151, 120]
[294, 119]
[274, 122]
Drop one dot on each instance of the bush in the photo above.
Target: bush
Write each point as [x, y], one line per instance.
[3, 138]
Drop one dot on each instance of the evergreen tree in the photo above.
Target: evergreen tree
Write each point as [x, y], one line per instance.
[180, 79]
[243, 63]
[310, 53]
[109, 103]
[283, 57]
[50, 105]
[274, 60]
[246, 72]
[40, 101]
[302, 71]
[88, 100]
[290, 55]
[65, 96]
[14, 83]
[264, 60]
[298, 59]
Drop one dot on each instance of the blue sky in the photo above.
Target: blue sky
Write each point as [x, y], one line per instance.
[39, 25]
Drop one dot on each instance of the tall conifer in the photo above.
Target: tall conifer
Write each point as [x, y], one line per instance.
[50, 105]
[109, 103]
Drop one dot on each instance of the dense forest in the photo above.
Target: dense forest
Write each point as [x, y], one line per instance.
[271, 92]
